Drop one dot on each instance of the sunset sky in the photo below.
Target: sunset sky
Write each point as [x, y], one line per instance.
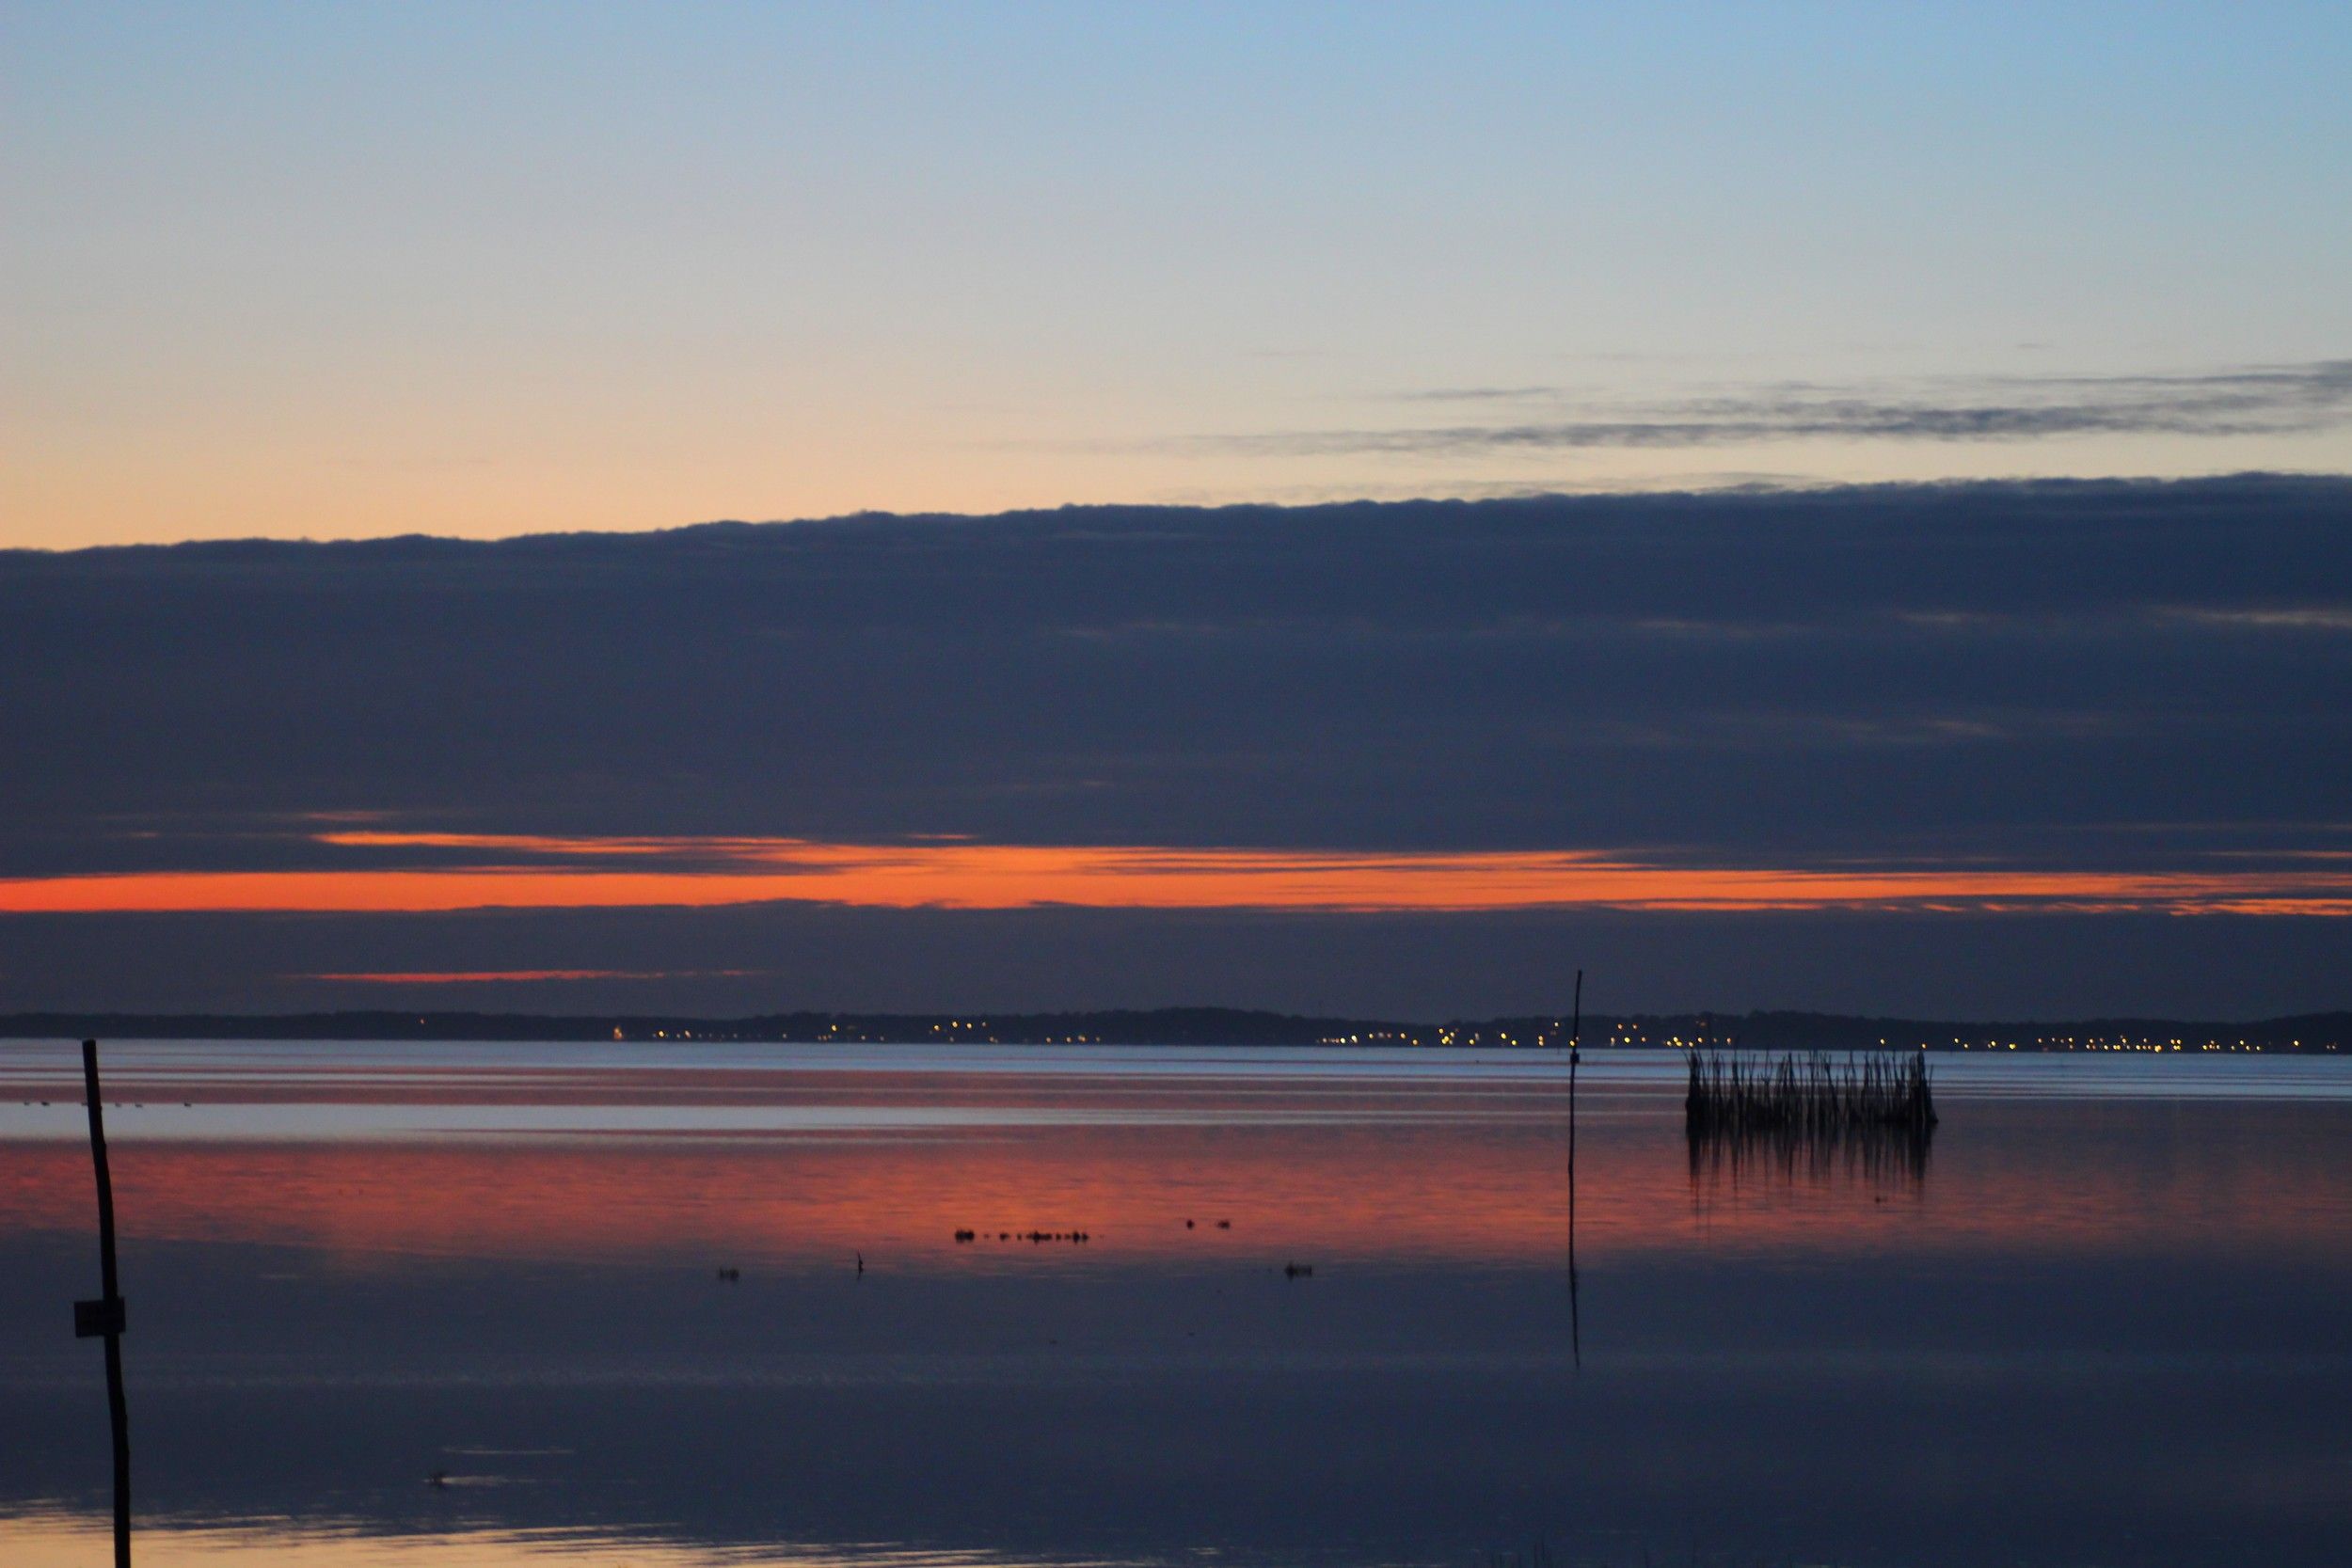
[1351, 507]
[325, 271]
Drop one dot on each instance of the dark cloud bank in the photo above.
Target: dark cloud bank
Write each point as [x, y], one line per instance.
[2109, 674]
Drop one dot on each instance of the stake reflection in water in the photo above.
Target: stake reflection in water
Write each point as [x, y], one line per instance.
[1880, 1156]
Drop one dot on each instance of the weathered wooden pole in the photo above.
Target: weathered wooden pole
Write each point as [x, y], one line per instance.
[103, 1318]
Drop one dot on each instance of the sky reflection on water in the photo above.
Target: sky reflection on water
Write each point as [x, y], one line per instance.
[2090, 1328]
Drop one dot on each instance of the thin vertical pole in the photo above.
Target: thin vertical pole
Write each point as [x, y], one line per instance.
[110, 1306]
[1576, 1036]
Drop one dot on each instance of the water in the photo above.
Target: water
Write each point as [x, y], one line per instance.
[2105, 1324]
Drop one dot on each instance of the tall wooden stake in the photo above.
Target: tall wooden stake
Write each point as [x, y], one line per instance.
[105, 1316]
[1576, 1036]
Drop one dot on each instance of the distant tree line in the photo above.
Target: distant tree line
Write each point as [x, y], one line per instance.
[1215, 1026]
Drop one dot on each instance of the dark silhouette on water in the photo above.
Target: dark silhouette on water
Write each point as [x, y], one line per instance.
[103, 1318]
[1735, 1092]
[1872, 1116]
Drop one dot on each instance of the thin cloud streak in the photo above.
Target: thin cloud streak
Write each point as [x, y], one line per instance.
[504, 976]
[2270, 401]
[720, 872]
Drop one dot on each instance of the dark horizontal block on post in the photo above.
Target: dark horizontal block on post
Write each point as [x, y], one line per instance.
[97, 1319]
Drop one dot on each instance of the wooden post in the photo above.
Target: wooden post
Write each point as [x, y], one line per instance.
[103, 1318]
[1576, 1036]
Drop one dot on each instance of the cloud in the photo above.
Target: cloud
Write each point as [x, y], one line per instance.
[1742, 670]
[1919, 678]
[717, 872]
[517, 977]
[2267, 401]
[2288, 617]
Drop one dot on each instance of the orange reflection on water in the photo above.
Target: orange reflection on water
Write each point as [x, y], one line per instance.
[1463, 1192]
[64, 1541]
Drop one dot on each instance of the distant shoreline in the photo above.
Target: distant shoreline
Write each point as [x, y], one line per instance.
[2305, 1033]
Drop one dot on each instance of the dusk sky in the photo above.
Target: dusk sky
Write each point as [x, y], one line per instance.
[325, 271]
[1361, 509]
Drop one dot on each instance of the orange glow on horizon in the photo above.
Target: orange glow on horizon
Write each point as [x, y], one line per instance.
[953, 875]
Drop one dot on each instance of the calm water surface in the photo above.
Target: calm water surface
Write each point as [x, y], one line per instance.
[2104, 1323]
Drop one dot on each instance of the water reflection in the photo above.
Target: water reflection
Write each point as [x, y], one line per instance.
[64, 1541]
[2121, 1317]
[1878, 1157]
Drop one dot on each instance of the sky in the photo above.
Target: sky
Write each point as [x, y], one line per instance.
[1340, 508]
[331, 272]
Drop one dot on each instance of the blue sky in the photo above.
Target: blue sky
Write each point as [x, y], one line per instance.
[310, 271]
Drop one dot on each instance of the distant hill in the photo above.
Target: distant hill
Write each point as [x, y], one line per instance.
[1217, 1026]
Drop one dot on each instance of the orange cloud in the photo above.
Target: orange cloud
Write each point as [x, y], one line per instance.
[714, 872]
